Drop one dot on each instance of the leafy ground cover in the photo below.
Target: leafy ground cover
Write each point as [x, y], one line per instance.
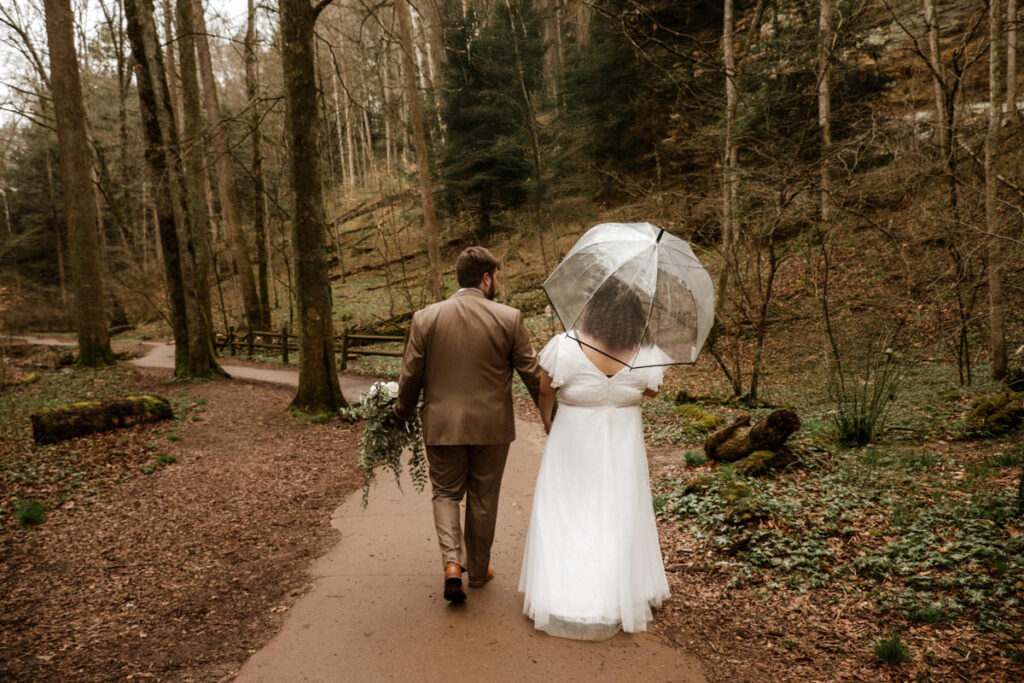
[69, 473]
[166, 551]
[906, 556]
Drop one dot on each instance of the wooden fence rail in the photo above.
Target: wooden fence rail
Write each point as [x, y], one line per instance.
[348, 346]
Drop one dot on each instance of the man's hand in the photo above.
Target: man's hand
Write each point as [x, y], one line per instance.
[394, 409]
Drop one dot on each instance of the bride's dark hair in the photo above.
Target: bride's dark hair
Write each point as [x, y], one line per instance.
[614, 316]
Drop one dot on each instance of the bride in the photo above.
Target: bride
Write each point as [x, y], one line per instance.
[592, 563]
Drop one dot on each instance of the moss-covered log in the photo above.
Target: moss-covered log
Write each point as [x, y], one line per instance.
[759, 463]
[737, 441]
[995, 414]
[78, 419]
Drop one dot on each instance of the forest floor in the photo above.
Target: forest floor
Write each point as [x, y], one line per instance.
[168, 551]
[173, 551]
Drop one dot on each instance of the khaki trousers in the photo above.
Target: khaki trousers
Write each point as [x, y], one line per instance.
[474, 472]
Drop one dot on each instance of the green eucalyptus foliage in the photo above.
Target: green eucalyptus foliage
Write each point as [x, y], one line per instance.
[385, 439]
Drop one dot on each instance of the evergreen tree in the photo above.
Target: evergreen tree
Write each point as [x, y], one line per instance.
[490, 89]
[638, 86]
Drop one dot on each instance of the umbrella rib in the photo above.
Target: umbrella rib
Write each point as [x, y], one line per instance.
[610, 273]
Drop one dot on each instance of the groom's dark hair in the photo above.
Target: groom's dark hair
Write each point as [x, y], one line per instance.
[472, 264]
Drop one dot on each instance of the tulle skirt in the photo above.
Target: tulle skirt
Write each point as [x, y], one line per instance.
[592, 563]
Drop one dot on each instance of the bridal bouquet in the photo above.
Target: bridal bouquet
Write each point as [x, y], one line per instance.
[386, 436]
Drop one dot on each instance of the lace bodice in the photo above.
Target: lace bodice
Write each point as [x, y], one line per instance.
[580, 383]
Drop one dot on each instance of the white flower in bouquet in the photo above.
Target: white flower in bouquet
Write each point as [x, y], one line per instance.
[386, 437]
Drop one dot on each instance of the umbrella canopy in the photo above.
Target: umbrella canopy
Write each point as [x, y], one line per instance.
[635, 293]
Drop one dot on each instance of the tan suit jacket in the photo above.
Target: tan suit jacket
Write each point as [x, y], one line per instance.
[461, 353]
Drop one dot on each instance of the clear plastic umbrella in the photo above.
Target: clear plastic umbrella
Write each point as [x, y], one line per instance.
[635, 293]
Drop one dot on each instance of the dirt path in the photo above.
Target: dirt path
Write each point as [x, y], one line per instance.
[375, 612]
[374, 609]
[161, 355]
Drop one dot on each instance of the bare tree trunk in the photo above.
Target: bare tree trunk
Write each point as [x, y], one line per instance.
[318, 374]
[434, 285]
[553, 56]
[172, 75]
[229, 205]
[131, 221]
[433, 31]
[340, 127]
[58, 231]
[997, 314]
[935, 59]
[76, 182]
[729, 152]
[583, 13]
[433, 45]
[193, 350]
[259, 219]
[530, 115]
[7, 212]
[1011, 57]
[422, 68]
[367, 134]
[825, 104]
[385, 95]
[195, 164]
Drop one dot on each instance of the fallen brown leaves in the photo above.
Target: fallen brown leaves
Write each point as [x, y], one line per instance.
[745, 634]
[182, 573]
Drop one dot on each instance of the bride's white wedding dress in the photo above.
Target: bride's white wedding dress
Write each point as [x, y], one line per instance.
[592, 563]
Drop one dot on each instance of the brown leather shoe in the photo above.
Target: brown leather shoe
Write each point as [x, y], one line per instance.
[453, 583]
[477, 581]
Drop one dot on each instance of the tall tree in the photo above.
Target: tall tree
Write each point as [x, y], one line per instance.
[231, 214]
[1011, 57]
[76, 182]
[419, 138]
[256, 138]
[729, 232]
[319, 389]
[491, 157]
[996, 303]
[193, 351]
[825, 103]
[729, 178]
[195, 163]
[934, 61]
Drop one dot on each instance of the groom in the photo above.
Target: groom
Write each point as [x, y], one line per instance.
[461, 353]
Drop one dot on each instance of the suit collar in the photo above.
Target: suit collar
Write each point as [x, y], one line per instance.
[469, 291]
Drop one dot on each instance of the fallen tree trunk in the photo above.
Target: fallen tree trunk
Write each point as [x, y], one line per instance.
[738, 440]
[78, 419]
